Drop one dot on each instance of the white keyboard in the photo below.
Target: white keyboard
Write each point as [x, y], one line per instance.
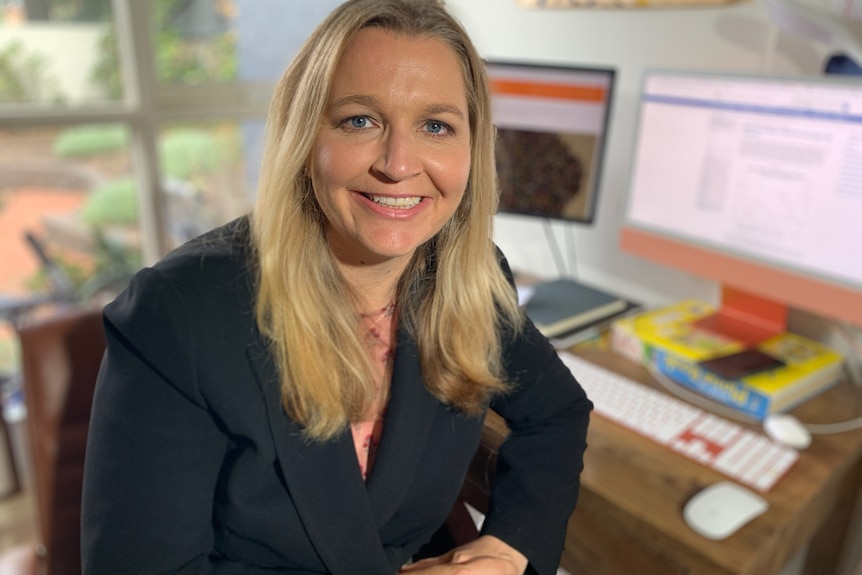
[729, 448]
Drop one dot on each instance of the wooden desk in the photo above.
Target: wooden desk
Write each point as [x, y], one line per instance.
[629, 515]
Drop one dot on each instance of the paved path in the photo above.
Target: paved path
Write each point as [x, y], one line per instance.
[22, 210]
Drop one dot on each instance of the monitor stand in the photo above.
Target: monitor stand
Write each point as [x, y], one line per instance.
[746, 317]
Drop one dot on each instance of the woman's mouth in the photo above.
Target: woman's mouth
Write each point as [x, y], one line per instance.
[399, 202]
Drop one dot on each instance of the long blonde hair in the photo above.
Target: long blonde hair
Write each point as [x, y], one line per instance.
[453, 297]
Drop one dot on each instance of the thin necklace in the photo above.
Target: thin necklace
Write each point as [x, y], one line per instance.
[385, 311]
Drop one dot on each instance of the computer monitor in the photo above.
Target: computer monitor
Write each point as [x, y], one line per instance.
[755, 182]
[552, 124]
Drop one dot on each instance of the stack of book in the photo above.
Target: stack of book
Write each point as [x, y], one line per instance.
[773, 376]
[560, 307]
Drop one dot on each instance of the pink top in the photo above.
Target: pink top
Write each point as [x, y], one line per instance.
[366, 434]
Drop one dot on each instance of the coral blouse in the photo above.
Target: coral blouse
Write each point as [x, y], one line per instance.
[366, 434]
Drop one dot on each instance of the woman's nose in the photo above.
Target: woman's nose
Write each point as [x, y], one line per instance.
[399, 156]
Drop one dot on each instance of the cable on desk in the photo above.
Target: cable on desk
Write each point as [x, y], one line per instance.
[837, 427]
[699, 400]
[854, 340]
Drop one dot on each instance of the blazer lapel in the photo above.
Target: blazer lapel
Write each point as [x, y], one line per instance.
[409, 417]
[325, 485]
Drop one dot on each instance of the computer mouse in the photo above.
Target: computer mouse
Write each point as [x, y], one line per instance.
[717, 511]
[786, 429]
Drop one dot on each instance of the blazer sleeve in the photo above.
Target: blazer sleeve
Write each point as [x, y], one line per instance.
[154, 451]
[539, 463]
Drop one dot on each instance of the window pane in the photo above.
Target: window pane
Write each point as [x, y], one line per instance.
[206, 176]
[200, 41]
[59, 53]
[71, 188]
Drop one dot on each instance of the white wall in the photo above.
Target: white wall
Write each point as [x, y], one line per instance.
[70, 51]
[735, 38]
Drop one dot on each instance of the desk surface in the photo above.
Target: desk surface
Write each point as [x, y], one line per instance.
[629, 515]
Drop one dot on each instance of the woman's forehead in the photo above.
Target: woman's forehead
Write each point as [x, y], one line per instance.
[377, 63]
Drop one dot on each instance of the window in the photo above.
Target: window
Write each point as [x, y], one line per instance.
[129, 91]
[128, 127]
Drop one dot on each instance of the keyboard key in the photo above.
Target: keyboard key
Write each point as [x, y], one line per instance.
[711, 440]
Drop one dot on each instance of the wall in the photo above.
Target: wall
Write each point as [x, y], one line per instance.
[70, 51]
[736, 38]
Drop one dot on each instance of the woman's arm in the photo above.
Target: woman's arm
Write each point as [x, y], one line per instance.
[539, 463]
[154, 452]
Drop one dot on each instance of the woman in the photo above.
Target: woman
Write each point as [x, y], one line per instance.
[301, 391]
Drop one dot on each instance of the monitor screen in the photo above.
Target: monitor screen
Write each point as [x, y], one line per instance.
[552, 126]
[755, 182]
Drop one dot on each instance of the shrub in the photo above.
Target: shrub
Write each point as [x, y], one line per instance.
[91, 140]
[24, 77]
[114, 203]
[187, 152]
[180, 57]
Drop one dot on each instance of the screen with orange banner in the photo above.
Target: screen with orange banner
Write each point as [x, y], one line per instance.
[552, 124]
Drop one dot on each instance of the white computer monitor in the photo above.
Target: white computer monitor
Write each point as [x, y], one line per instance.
[755, 182]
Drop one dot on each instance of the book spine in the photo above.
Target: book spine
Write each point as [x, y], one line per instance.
[627, 343]
[731, 393]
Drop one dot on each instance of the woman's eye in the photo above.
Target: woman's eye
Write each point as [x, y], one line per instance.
[357, 122]
[437, 127]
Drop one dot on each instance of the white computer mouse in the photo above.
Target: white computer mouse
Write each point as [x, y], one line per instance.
[717, 511]
[786, 429]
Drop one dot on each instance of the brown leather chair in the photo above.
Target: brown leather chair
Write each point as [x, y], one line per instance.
[10, 483]
[60, 357]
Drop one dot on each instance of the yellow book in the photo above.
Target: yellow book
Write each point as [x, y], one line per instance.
[669, 339]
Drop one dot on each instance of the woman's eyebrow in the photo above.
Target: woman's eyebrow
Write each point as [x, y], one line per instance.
[435, 109]
[359, 99]
[371, 102]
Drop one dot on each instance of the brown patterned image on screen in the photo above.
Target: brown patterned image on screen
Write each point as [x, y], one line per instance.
[545, 174]
[552, 123]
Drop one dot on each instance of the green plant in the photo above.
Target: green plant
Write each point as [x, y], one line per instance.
[24, 77]
[179, 59]
[114, 263]
[107, 270]
[10, 354]
[188, 152]
[90, 140]
[41, 283]
[79, 10]
[106, 72]
[114, 203]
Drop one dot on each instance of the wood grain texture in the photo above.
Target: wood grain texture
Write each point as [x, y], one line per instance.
[633, 490]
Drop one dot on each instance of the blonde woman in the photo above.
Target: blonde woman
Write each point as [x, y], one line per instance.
[302, 390]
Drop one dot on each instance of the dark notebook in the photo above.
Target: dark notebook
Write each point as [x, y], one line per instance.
[561, 306]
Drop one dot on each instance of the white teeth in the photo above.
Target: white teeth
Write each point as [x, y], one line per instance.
[396, 202]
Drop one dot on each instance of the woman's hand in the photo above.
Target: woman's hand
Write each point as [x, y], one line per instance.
[487, 555]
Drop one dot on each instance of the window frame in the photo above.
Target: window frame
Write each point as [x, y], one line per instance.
[145, 107]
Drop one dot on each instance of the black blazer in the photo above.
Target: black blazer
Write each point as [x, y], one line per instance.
[193, 467]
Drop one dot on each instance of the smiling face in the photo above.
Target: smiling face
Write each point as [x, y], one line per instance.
[392, 156]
